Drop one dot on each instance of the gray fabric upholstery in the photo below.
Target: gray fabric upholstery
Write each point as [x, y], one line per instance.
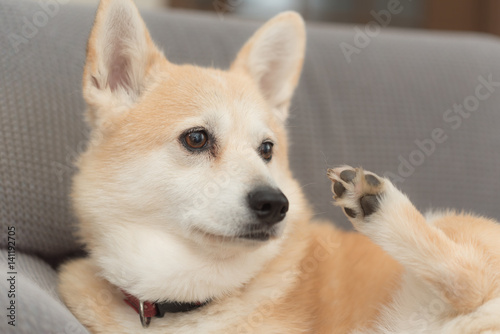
[38, 307]
[41, 125]
[367, 112]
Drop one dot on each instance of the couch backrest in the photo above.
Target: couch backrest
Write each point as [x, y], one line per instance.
[389, 107]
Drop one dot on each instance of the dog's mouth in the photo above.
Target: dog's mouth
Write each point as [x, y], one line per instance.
[258, 235]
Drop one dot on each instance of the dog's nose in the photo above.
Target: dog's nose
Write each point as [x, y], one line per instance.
[269, 204]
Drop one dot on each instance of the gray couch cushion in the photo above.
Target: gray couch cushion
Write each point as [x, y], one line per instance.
[367, 112]
[41, 126]
[38, 308]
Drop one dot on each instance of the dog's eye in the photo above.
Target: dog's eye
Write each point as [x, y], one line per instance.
[196, 139]
[266, 150]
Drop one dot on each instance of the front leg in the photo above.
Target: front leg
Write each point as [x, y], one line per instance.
[376, 208]
[460, 273]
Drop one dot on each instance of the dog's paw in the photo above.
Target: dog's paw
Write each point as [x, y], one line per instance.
[356, 191]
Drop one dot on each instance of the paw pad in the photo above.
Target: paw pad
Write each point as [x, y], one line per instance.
[347, 175]
[338, 189]
[369, 204]
[356, 191]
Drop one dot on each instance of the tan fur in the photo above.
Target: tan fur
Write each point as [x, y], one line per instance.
[312, 278]
[482, 235]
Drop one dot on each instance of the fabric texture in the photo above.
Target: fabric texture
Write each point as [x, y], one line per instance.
[37, 305]
[389, 109]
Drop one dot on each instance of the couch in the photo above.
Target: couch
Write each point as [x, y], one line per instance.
[422, 108]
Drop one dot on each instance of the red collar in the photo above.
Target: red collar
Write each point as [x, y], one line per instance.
[147, 310]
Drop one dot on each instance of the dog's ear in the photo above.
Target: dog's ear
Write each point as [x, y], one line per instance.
[273, 57]
[121, 60]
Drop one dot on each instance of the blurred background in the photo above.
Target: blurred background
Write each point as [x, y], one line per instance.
[464, 15]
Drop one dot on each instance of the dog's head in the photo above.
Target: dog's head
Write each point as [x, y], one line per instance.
[182, 154]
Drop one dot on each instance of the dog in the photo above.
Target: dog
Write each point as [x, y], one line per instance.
[193, 222]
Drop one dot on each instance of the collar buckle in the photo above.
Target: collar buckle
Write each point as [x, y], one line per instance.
[145, 321]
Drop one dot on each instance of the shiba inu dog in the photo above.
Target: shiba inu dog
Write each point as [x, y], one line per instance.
[194, 224]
